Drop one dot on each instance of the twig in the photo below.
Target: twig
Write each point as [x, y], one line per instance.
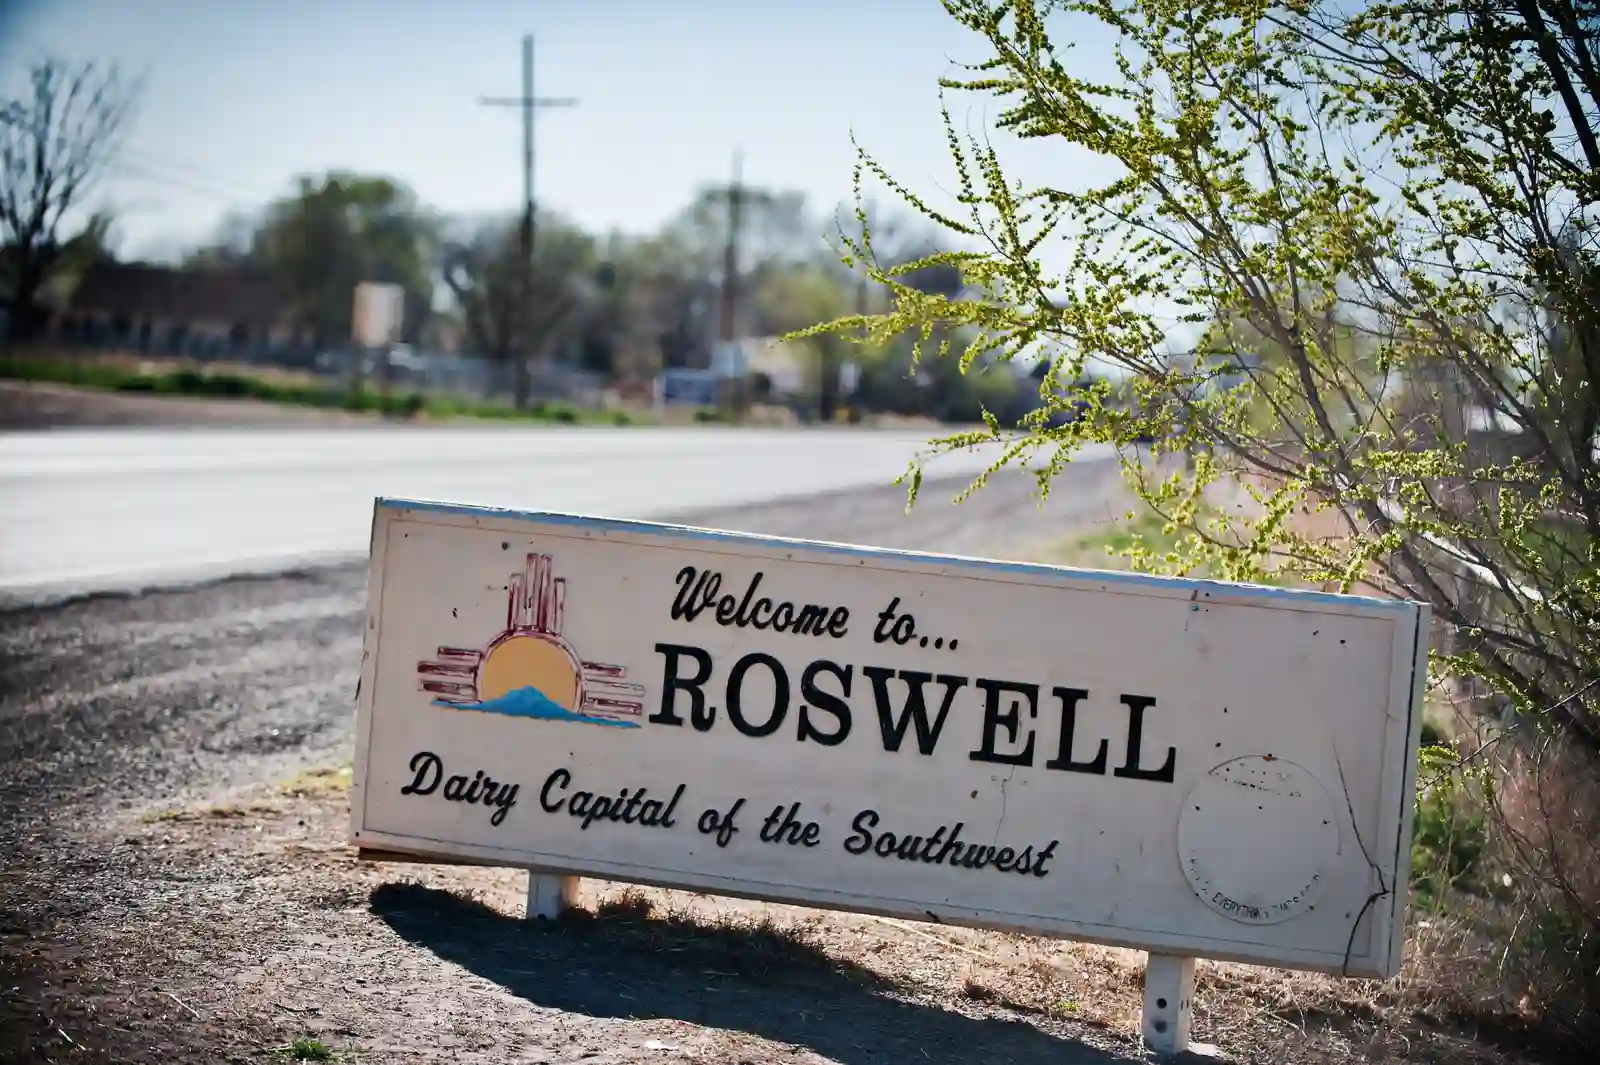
[182, 1003]
[1466, 759]
[906, 927]
[1506, 953]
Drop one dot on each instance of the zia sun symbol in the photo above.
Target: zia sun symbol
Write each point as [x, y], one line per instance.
[530, 670]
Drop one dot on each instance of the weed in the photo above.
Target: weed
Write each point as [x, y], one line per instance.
[978, 992]
[631, 903]
[229, 812]
[318, 782]
[305, 1049]
[1450, 834]
[1148, 530]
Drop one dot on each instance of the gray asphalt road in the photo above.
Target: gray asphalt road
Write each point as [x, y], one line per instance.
[93, 509]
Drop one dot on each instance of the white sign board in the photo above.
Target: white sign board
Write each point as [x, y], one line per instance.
[849, 377]
[729, 359]
[380, 311]
[1179, 766]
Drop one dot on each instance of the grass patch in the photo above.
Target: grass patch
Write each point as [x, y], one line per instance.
[230, 812]
[206, 384]
[978, 991]
[1144, 537]
[1146, 530]
[305, 1049]
[630, 903]
[625, 927]
[319, 782]
[738, 942]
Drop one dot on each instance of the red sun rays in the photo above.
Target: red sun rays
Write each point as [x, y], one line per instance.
[536, 603]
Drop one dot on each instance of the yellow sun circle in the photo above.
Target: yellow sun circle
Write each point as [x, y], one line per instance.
[530, 661]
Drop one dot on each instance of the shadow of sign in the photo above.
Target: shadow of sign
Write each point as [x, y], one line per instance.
[747, 979]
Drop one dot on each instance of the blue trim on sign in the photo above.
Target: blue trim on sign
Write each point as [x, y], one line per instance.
[822, 547]
[530, 702]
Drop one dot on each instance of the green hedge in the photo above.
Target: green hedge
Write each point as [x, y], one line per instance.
[227, 385]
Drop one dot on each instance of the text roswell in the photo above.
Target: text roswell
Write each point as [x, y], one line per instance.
[825, 714]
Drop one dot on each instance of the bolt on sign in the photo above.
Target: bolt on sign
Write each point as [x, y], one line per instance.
[1180, 766]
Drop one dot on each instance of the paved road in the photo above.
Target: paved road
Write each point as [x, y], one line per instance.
[96, 509]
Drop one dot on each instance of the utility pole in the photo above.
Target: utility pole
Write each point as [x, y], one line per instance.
[730, 274]
[730, 256]
[527, 102]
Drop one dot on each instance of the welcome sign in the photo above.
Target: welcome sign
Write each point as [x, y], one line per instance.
[1178, 766]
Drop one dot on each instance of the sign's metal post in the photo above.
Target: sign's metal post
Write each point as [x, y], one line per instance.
[550, 895]
[1168, 1003]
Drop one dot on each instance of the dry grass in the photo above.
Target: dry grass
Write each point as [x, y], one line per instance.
[229, 811]
[1244, 1009]
[1251, 1013]
[136, 361]
[318, 782]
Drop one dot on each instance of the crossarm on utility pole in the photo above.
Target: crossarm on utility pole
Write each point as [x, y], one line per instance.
[528, 103]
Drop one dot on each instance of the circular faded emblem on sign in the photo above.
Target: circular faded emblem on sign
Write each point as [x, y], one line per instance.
[1258, 839]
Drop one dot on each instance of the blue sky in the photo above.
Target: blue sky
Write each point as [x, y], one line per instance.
[242, 95]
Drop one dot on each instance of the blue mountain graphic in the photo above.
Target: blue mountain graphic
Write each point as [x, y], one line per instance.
[531, 702]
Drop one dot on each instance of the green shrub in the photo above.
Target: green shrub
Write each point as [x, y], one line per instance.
[406, 406]
[190, 382]
[230, 385]
[1450, 834]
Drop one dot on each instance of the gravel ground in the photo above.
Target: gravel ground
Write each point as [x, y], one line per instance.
[155, 907]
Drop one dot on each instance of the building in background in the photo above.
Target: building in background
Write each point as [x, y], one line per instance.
[198, 313]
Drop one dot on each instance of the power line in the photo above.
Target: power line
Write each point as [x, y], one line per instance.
[167, 161]
[146, 174]
[166, 168]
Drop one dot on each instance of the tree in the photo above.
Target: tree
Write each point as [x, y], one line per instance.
[484, 274]
[1393, 206]
[774, 226]
[236, 244]
[732, 237]
[336, 231]
[54, 145]
[914, 254]
[1244, 201]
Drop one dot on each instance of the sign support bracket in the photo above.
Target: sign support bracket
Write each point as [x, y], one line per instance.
[550, 895]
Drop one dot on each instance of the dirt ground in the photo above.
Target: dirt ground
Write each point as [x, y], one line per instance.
[175, 885]
[243, 926]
